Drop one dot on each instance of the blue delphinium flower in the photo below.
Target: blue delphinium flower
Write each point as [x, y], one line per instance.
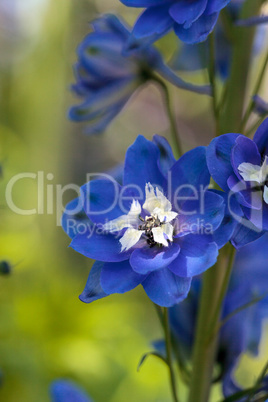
[242, 332]
[239, 166]
[156, 230]
[67, 391]
[106, 77]
[192, 21]
[196, 57]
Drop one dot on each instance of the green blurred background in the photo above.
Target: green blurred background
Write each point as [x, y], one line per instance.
[45, 331]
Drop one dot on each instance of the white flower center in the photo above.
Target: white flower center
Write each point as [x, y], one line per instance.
[256, 173]
[156, 228]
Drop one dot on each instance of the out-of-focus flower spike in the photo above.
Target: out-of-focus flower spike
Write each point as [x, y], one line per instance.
[249, 22]
[260, 105]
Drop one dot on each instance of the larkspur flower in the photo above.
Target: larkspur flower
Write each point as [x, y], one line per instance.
[192, 21]
[196, 56]
[239, 166]
[242, 332]
[67, 391]
[156, 230]
[106, 77]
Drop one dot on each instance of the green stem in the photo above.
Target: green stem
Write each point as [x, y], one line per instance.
[223, 291]
[255, 92]
[212, 79]
[242, 40]
[213, 285]
[175, 137]
[169, 356]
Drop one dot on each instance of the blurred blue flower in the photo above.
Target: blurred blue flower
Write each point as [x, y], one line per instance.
[242, 332]
[106, 76]
[159, 229]
[67, 391]
[239, 166]
[192, 21]
[196, 57]
[5, 267]
[260, 105]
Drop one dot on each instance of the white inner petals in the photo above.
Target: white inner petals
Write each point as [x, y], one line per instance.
[156, 227]
[256, 173]
[125, 221]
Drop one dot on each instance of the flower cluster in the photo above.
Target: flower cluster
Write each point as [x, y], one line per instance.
[241, 332]
[191, 21]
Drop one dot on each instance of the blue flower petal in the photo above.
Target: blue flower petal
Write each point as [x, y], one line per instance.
[102, 247]
[100, 198]
[219, 159]
[154, 20]
[119, 277]
[93, 290]
[244, 234]
[232, 212]
[259, 217]
[261, 137]
[198, 253]
[145, 260]
[142, 3]
[205, 213]
[166, 160]
[244, 150]
[74, 218]
[184, 12]
[214, 6]
[141, 165]
[190, 169]
[67, 391]
[166, 289]
[199, 30]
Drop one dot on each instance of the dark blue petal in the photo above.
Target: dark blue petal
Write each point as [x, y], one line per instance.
[119, 277]
[190, 169]
[199, 30]
[259, 217]
[244, 234]
[67, 391]
[166, 160]
[166, 289]
[99, 246]
[244, 150]
[141, 164]
[93, 290]
[141, 3]
[216, 5]
[261, 137]
[219, 159]
[145, 260]
[74, 218]
[232, 213]
[205, 213]
[100, 198]
[154, 20]
[197, 254]
[185, 12]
